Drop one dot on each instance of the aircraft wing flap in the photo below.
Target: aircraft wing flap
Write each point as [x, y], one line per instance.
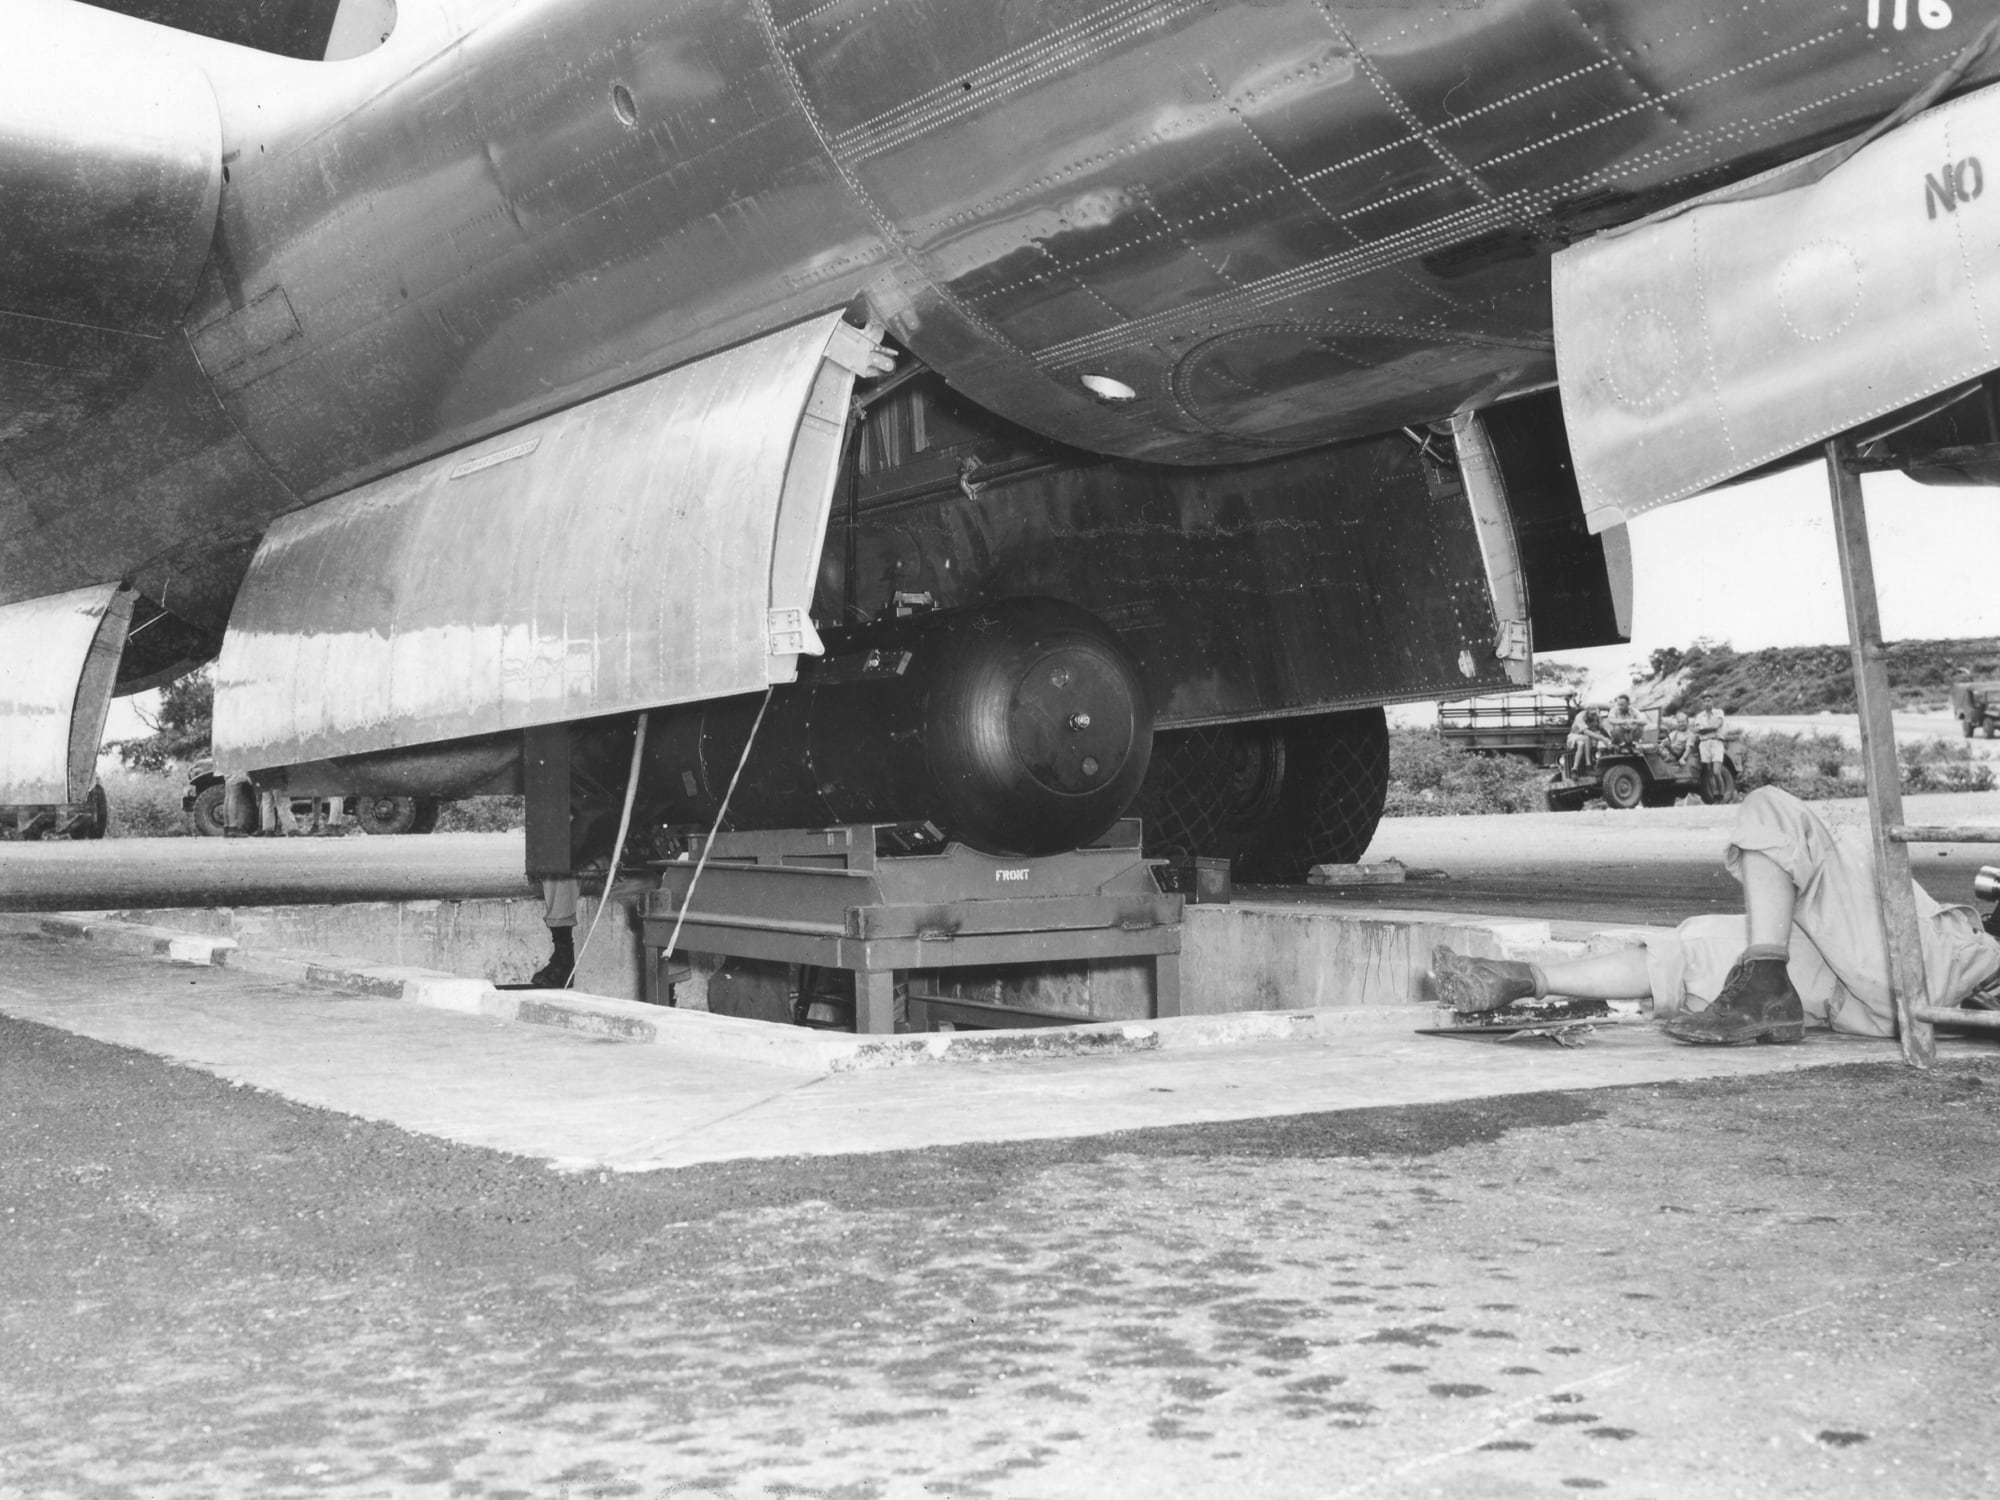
[656, 545]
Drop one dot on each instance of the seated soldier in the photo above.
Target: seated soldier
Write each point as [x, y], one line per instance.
[1623, 727]
[1677, 743]
[1585, 743]
[1809, 945]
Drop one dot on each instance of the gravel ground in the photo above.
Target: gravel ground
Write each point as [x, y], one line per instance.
[1772, 1287]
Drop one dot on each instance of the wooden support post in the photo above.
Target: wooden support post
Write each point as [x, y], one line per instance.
[1878, 760]
[874, 1002]
[1166, 985]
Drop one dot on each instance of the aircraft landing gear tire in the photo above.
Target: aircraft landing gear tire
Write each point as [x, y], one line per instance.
[386, 814]
[1623, 787]
[207, 813]
[1273, 797]
[427, 815]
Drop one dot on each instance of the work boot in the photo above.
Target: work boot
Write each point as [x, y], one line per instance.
[1757, 1004]
[555, 974]
[1472, 986]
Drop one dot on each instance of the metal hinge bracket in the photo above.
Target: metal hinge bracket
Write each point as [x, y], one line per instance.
[789, 632]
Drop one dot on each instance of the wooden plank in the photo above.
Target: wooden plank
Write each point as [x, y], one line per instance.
[1945, 833]
[1878, 760]
[1386, 872]
[1975, 1020]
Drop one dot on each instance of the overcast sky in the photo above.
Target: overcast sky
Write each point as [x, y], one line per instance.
[1755, 566]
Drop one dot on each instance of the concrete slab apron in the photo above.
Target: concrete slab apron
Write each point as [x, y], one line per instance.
[574, 1100]
[581, 1102]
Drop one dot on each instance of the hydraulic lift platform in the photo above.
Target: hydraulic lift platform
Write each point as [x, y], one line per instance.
[843, 898]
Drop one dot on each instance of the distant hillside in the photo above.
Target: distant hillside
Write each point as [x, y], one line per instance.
[1809, 679]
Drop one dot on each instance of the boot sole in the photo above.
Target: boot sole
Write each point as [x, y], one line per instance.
[1783, 1032]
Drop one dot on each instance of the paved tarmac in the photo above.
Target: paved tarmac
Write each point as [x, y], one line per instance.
[1774, 1285]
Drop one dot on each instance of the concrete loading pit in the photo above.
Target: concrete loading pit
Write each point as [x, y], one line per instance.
[1335, 975]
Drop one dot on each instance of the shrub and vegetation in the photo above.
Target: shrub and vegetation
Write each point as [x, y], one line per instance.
[145, 792]
[1429, 779]
[1812, 679]
[1816, 766]
[144, 804]
[180, 728]
[1943, 766]
[482, 815]
[1812, 767]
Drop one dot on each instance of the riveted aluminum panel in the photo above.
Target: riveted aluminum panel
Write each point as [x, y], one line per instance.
[58, 660]
[628, 553]
[1745, 327]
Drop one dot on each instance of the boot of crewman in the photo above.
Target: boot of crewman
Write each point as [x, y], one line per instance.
[1472, 986]
[1757, 1004]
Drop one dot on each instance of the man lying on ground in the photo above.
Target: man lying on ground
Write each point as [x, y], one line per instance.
[1808, 945]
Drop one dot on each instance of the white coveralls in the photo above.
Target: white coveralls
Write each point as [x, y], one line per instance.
[559, 901]
[1839, 958]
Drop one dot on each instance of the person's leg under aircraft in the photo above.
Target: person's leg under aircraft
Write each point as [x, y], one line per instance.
[1755, 1001]
[1472, 986]
[1657, 971]
[1809, 945]
[559, 916]
[1837, 911]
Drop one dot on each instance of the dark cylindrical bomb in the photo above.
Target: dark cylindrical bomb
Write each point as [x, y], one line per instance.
[1021, 727]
